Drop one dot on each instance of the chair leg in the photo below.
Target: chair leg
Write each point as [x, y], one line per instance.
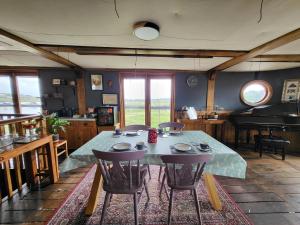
[160, 168]
[260, 150]
[146, 189]
[105, 204]
[149, 173]
[283, 153]
[170, 207]
[197, 206]
[136, 222]
[162, 185]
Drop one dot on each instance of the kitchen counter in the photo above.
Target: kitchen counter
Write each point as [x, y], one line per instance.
[78, 119]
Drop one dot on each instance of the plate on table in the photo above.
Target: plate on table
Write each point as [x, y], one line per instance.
[182, 147]
[121, 146]
[132, 133]
[175, 132]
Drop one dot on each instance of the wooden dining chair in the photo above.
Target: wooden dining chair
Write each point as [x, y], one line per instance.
[181, 176]
[136, 127]
[171, 126]
[122, 174]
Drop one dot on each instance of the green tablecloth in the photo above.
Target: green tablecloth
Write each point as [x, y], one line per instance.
[225, 162]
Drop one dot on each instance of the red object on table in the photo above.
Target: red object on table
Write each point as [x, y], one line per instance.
[152, 135]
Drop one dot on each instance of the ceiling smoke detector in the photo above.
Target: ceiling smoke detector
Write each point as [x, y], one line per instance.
[146, 31]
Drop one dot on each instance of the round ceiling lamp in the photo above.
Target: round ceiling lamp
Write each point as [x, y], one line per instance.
[146, 31]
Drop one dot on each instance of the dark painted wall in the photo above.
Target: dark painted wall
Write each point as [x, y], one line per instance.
[187, 96]
[94, 98]
[227, 93]
[70, 97]
[229, 84]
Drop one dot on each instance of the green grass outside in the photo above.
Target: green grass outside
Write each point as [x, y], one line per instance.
[137, 116]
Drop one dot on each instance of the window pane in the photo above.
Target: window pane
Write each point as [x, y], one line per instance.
[134, 99]
[6, 100]
[29, 94]
[255, 93]
[160, 101]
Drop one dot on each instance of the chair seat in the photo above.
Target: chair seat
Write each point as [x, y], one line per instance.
[121, 186]
[183, 181]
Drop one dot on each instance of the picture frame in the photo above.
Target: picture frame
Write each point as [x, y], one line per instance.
[109, 99]
[291, 90]
[96, 82]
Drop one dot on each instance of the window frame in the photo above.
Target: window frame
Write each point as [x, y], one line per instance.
[14, 86]
[265, 84]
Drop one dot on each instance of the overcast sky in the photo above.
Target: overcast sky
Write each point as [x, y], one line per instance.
[135, 88]
[27, 85]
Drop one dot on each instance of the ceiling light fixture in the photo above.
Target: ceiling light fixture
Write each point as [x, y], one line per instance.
[146, 31]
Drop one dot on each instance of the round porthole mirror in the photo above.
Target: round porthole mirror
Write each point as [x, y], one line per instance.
[257, 92]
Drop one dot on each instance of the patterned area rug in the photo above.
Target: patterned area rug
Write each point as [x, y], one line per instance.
[120, 211]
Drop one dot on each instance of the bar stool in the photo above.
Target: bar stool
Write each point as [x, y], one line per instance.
[60, 147]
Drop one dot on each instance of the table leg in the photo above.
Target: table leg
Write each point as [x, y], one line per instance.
[212, 191]
[95, 192]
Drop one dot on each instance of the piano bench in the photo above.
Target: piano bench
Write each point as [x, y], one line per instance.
[273, 142]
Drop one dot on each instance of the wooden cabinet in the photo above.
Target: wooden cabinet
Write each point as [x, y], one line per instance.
[208, 126]
[79, 132]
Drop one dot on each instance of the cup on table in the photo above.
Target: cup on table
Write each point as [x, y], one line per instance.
[140, 145]
[204, 146]
[160, 131]
[117, 131]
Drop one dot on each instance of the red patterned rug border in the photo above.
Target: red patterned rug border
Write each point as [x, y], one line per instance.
[69, 195]
[50, 217]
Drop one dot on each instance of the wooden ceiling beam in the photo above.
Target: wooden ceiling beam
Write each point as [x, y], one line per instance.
[32, 48]
[178, 53]
[278, 42]
[276, 58]
[173, 53]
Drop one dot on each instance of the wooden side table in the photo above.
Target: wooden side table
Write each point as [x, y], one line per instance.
[60, 147]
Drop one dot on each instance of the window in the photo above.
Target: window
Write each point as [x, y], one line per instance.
[29, 94]
[6, 99]
[256, 92]
[20, 93]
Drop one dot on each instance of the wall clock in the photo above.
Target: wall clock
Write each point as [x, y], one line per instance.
[192, 81]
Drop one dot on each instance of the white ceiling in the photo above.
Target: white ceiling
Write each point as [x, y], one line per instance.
[193, 24]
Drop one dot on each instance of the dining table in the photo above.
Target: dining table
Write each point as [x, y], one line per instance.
[224, 162]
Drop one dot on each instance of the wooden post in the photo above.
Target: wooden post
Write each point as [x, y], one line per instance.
[52, 162]
[7, 179]
[18, 173]
[81, 96]
[31, 168]
[210, 101]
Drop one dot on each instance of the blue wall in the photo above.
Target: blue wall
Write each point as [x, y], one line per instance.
[229, 84]
[70, 97]
[227, 91]
[187, 96]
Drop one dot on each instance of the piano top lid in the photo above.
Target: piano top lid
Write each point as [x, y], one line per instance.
[281, 109]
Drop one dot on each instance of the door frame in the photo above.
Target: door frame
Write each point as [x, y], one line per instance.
[147, 76]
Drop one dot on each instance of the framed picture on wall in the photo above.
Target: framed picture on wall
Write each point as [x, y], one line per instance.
[96, 81]
[291, 90]
[109, 99]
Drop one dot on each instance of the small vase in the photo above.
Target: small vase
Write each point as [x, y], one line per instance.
[152, 136]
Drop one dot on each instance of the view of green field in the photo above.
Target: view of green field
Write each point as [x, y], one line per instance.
[135, 111]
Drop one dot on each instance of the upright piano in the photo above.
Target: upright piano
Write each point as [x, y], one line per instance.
[283, 116]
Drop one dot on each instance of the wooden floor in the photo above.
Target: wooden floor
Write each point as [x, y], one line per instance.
[269, 195]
